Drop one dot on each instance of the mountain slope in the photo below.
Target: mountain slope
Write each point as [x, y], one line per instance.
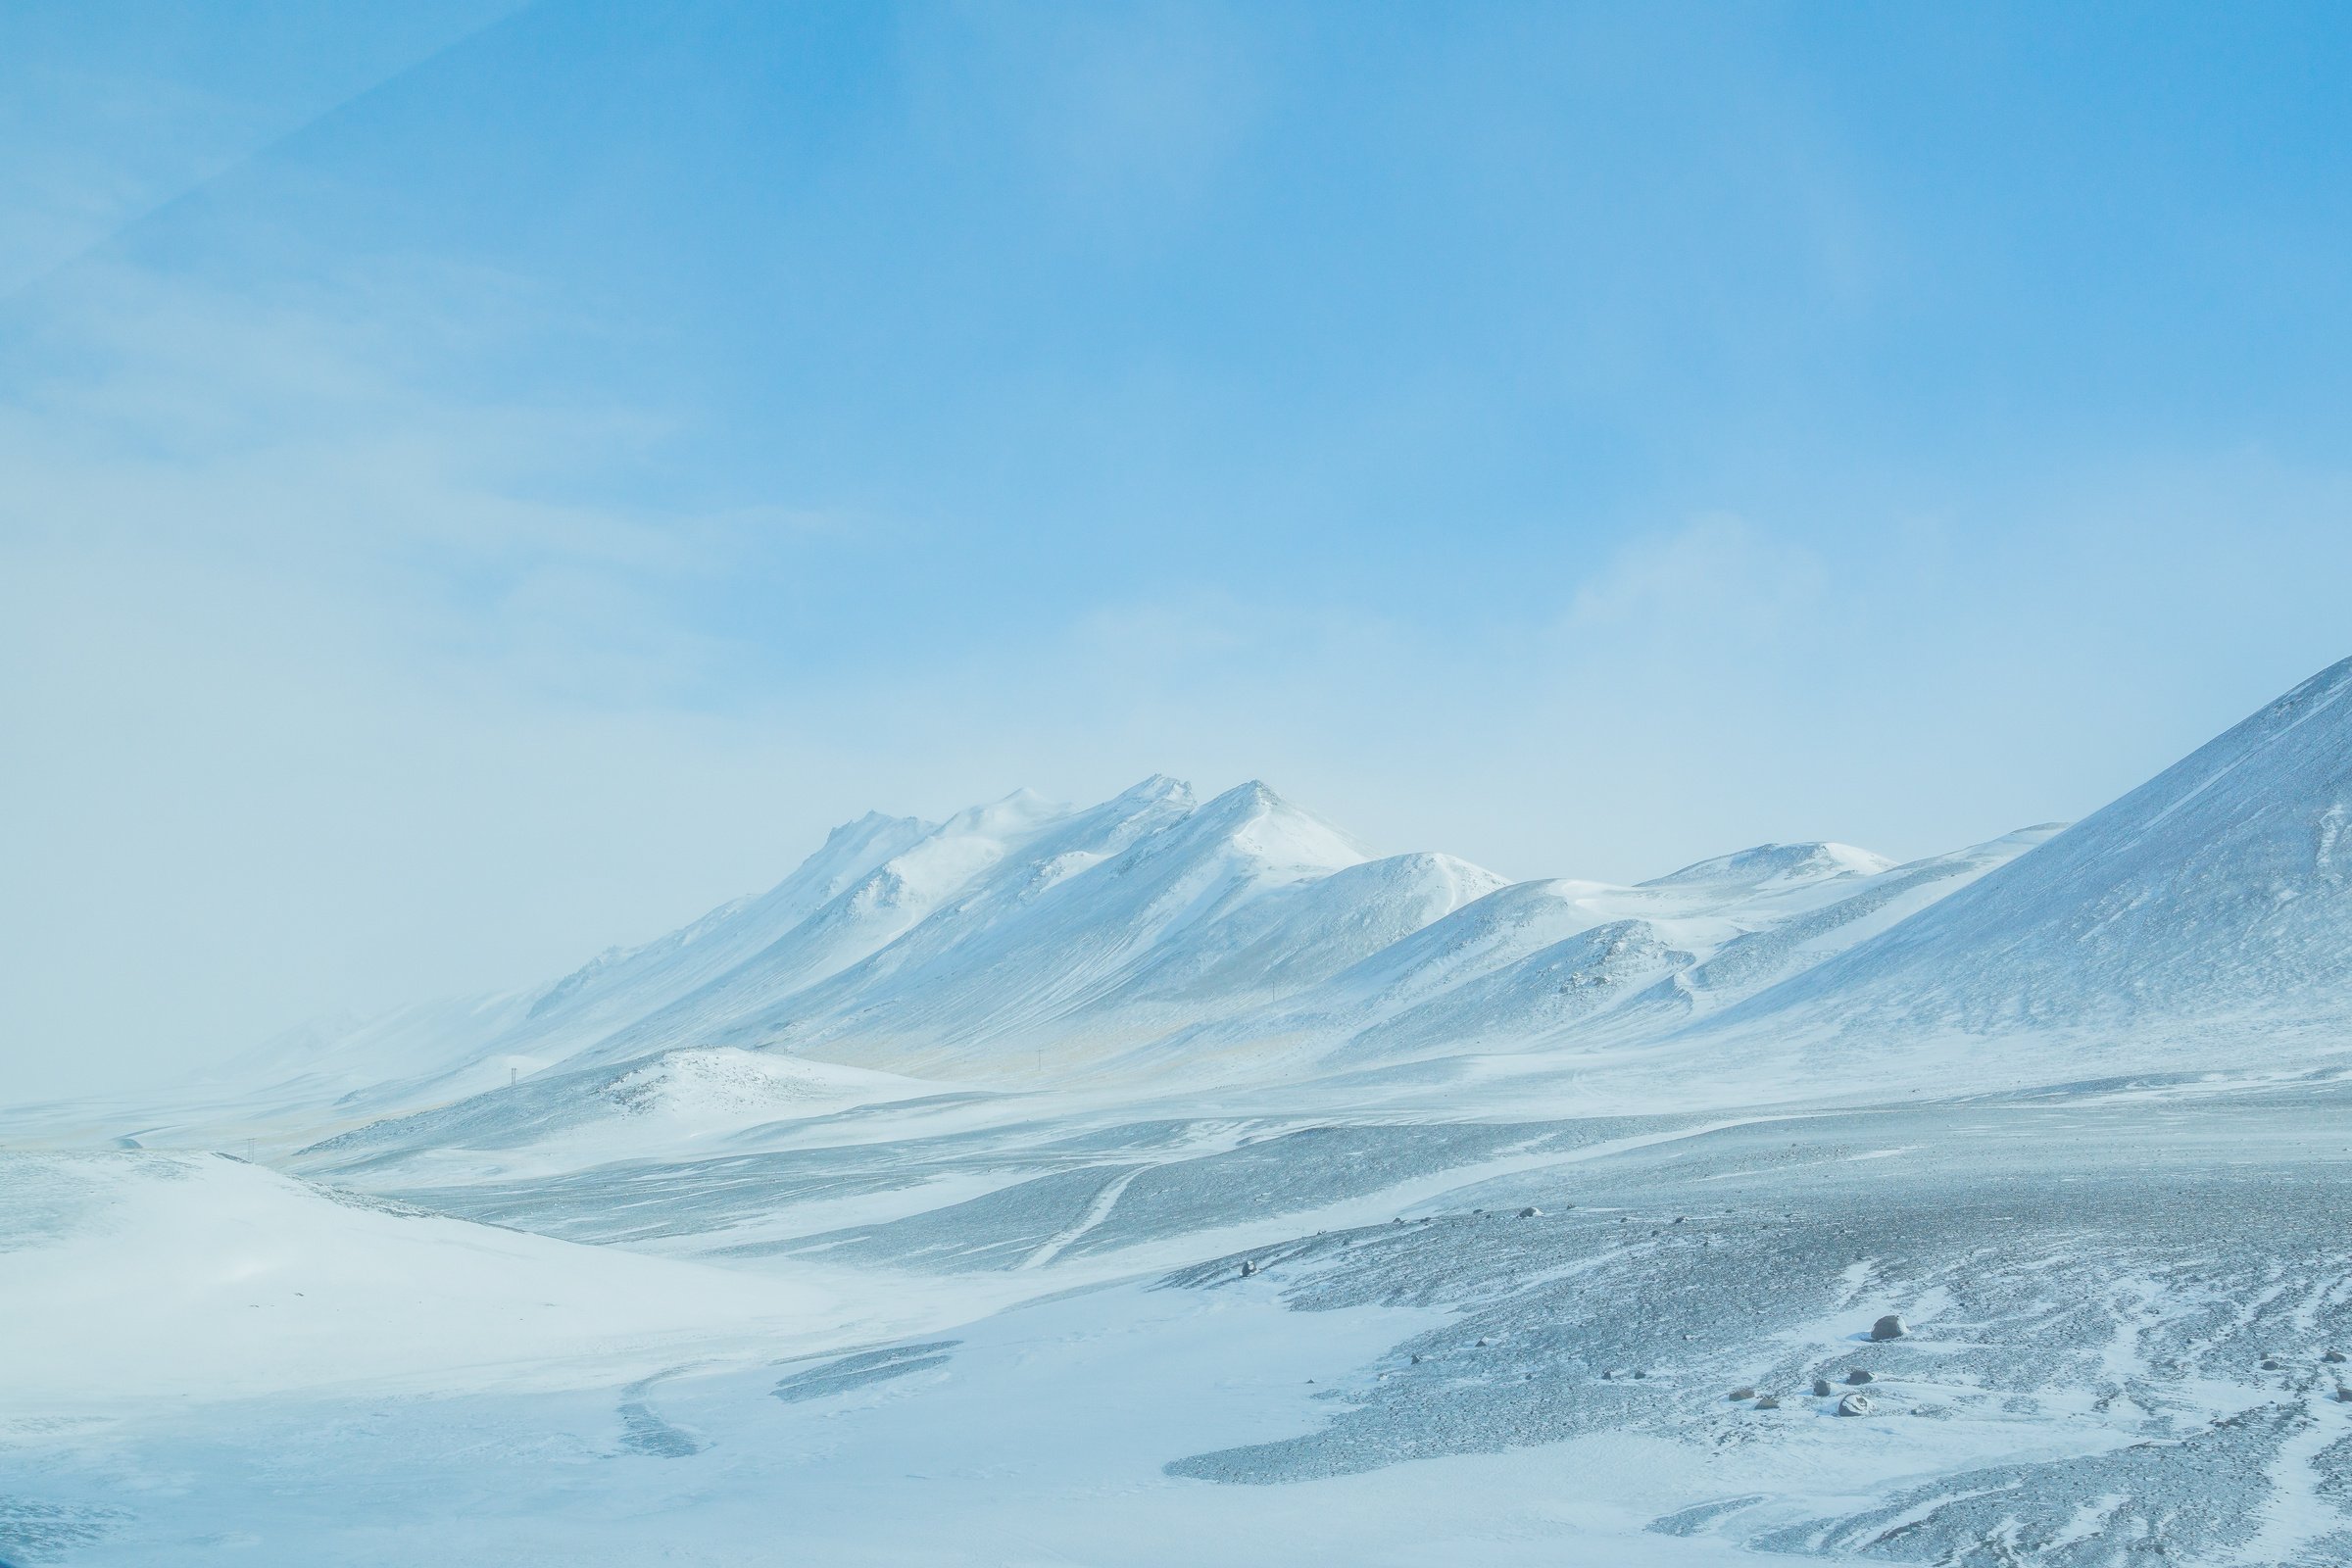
[1063, 945]
[2220, 888]
[1157, 937]
[1545, 963]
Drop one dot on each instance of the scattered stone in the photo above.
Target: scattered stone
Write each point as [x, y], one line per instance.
[1610, 1376]
[1822, 1388]
[1531, 1212]
[1889, 1326]
[1678, 1219]
[1483, 1340]
[1742, 1394]
[2334, 1357]
[1640, 1373]
[1416, 1359]
[2343, 1395]
[1854, 1404]
[2271, 1363]
[1857, 1376]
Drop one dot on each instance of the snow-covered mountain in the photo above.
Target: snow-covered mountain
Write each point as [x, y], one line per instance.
[1159, 938]
[2217, 893]
[1541, 963]
[1153, 936]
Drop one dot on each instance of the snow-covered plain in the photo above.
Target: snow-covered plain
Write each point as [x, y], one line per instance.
[1173, 1178]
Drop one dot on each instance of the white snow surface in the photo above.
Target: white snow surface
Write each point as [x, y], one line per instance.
[155, 1276]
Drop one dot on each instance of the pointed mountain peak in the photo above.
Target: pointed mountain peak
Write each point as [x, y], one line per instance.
[1256, 819]
[1159, 789]
[1245, 800]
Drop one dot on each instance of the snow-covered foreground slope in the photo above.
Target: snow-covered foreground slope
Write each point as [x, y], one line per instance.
[133, 1277]
[1417, 1340]
[1170, 1178]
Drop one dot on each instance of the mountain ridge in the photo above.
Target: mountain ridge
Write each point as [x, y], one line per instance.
[1160, 937]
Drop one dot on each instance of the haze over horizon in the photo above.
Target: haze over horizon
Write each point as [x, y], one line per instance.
[488, 482]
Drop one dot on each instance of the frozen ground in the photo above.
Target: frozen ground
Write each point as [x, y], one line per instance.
[1058, 1357]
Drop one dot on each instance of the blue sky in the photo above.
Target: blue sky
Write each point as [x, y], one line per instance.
[487, 481]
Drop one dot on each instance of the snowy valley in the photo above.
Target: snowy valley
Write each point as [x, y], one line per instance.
[1175, 1177]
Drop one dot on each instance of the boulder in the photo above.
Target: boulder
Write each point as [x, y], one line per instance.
[1854, 1404]
[1858, 1377]
[2334, 1357]
[1822, 1388]
[1531, 1212]
[1741, 1394]
[1889, 1326]
[1249, 1266]
[1767, 1402]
